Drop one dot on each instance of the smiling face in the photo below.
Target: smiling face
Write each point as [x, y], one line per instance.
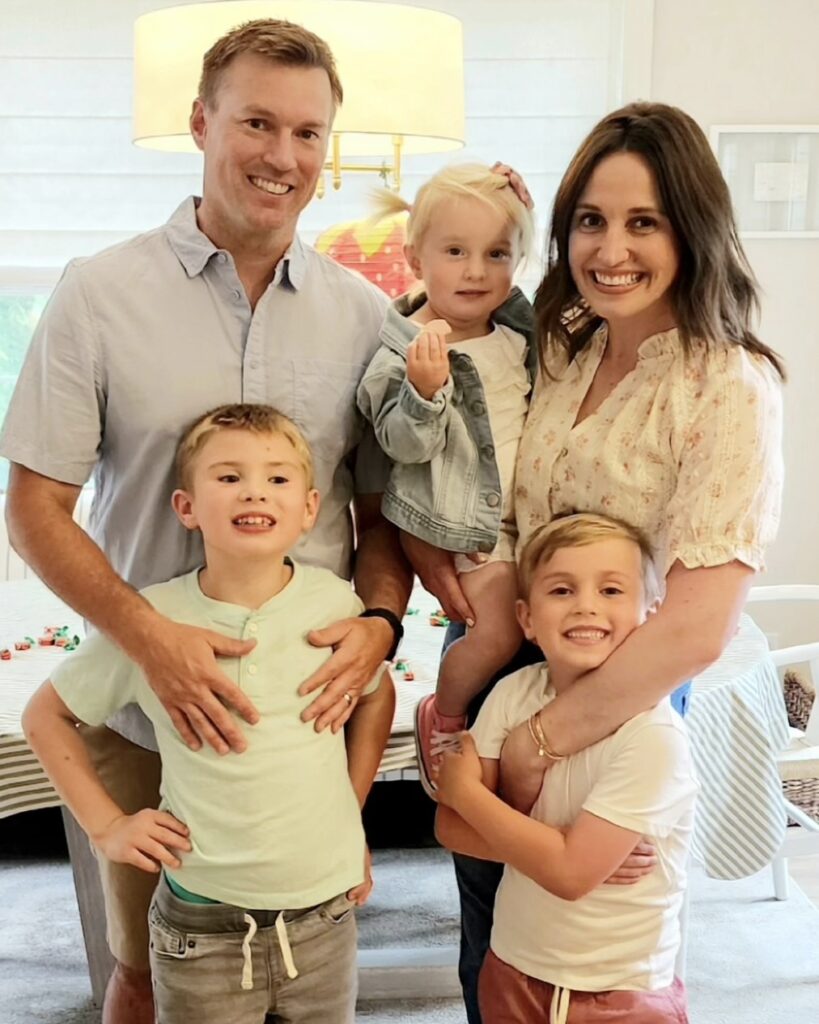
[248, 495]
[583, 603]
[623, 253]
[466, 259]
[264, 139]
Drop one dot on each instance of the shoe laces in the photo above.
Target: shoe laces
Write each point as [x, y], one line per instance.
[441, 742]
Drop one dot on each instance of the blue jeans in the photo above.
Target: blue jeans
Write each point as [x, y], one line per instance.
[478, 880]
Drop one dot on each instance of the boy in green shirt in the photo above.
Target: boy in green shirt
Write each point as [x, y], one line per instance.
[262, 853]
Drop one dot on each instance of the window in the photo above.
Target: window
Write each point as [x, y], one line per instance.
[19, 313]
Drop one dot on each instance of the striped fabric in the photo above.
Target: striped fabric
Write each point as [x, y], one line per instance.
[26, 608]
[737, 726]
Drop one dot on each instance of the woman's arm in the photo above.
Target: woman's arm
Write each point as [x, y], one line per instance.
[690, 630]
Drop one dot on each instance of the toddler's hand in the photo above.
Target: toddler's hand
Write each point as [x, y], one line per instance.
[145, 840]
[428, 359]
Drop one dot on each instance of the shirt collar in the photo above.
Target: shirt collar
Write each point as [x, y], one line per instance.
[194, 249]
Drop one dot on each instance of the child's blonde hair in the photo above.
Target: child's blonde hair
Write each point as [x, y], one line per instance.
[255, 417]
[476, 181]
[578, 530]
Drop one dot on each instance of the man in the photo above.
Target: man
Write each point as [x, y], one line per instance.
[221, 304]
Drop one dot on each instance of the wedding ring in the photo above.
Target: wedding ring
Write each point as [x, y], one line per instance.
[347, 697]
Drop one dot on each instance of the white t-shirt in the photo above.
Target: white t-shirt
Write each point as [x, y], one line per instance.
[278, 826]
[640, 778]
[500, 361]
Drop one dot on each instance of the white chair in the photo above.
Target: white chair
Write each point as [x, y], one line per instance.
[800, 760]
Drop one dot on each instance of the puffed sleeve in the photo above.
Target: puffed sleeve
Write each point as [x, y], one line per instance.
[729, 488]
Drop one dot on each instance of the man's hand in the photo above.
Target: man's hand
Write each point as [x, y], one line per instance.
[146, 840]
[521, 769]
[428, 359]
[516, 182]
[180, 665]
[359, 894]
[459, 770]
[436, 571]
[359, 648]
[637, 865]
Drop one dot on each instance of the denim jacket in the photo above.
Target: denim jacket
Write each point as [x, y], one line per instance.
[444, 486]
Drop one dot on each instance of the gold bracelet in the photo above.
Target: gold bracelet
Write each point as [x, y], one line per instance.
[541, 750]
[537, 733]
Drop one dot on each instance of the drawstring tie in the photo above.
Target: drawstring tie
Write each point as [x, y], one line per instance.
[559, 1011]
[284, 945]
[247, 954]
[247, 966]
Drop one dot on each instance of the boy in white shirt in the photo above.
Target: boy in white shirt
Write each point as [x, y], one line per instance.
[262, 853]
[565, 947]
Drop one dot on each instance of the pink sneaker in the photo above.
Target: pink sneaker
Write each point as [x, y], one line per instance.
[434, 733]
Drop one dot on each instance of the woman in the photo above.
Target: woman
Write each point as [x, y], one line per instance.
[658, 405]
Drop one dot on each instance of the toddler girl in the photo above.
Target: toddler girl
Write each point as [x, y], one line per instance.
[447, 396]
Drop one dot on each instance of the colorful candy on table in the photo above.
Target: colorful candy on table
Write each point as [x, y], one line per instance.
[439, 618]
[403, 666]
[53, 636]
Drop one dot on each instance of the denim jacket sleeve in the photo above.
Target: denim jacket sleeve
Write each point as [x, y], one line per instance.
[409, 428]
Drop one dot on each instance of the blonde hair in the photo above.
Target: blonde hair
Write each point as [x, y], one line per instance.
[280, 42]
[254, 417]
[578, 530]
[458, 181]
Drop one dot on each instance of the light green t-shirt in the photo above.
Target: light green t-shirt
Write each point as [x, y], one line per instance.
[279, 825]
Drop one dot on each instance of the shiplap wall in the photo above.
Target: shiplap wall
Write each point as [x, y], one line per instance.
[538, 74]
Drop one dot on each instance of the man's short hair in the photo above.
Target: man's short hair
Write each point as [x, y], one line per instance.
[255, 417]
[280, 42]
[578, 530]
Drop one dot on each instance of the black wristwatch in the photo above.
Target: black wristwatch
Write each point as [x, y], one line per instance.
[395, 623]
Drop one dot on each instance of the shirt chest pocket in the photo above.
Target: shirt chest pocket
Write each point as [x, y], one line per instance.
[325, 407]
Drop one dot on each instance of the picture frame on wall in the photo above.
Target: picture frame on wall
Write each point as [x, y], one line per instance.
[773, 174]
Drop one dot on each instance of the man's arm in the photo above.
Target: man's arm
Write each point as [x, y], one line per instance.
[145, 839]
[366, 736]
[689, 631]
[178, 661]
[383, 579]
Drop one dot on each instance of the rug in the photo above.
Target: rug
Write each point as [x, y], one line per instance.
[751, 959]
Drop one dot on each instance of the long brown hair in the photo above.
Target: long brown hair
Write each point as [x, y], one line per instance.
[715, 295]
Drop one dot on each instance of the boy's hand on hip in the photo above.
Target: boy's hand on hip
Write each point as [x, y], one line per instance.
[359, 894]
[145, 840]
[359, 648]
[428, 359]
[180, 665]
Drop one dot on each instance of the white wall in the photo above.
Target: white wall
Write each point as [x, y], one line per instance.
[755, 62]
[538, 74]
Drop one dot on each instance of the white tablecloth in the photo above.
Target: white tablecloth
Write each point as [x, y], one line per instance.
[738, 725]
[26, 608]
